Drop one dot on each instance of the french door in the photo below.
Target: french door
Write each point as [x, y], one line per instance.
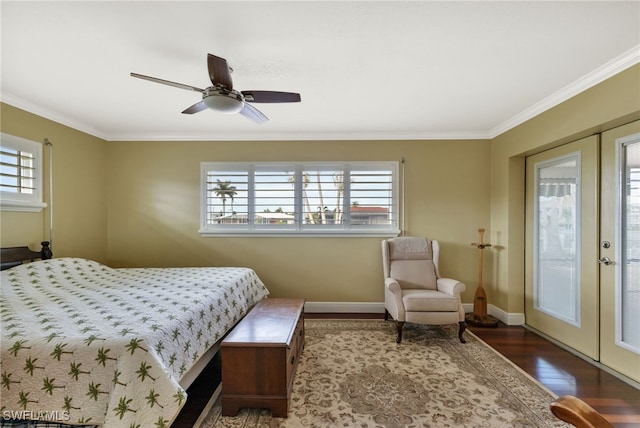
[582, 284]
[620, 250]
[561, 285]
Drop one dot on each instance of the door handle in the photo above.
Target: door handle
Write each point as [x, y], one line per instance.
[605, 261]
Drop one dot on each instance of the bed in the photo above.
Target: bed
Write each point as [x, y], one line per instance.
[86, 344]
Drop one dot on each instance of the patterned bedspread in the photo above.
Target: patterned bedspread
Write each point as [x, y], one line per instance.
[83, 343]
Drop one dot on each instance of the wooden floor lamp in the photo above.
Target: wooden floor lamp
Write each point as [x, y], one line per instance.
[479, 315]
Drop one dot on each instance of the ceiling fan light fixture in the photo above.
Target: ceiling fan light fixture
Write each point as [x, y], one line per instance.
[228, 103]
[221, 97]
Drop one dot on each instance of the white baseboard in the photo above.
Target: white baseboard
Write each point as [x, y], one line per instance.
[378, 308]
[506, 317]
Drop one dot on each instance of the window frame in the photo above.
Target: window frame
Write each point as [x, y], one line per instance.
[299, 228]
[17, 201]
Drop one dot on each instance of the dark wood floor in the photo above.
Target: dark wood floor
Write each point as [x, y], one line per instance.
[564, 373]
[557, 369]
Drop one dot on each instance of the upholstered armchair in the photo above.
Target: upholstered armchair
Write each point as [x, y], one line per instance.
[414, 292]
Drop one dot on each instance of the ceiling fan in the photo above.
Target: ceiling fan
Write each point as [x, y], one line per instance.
[223, 98]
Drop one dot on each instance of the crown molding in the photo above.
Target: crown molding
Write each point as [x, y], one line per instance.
[239, 136]
[303, 136]
[610, 69]
[45, 113]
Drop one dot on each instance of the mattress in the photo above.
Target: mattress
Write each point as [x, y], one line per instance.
[83, 343]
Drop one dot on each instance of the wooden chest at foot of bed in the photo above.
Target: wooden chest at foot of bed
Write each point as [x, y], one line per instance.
[260, 356]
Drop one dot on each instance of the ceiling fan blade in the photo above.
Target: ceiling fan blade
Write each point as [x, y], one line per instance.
[271, 97]
[219, 71]
[199, 106]
[167, 82]
[253, 113]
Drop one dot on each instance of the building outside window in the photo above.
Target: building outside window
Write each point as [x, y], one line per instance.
[345, 198]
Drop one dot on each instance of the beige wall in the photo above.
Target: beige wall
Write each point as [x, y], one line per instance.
[137, 203]
[79, 189]
[154, 213]
[609, 104]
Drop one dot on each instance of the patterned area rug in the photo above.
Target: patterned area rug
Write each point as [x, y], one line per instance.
[353, 374]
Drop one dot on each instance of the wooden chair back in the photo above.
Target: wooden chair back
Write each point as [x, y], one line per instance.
[578, 413]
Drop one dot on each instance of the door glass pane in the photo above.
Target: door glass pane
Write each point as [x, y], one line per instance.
[557, 238]
[630, 281]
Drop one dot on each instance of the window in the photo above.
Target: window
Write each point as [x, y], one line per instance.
[20, 174]
[357, 198]
[557, 238]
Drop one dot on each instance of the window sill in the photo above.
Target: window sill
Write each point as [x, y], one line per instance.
[22, 206]
[205, 233]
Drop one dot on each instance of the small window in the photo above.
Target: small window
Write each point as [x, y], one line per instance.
[20, 174]
[357, 198]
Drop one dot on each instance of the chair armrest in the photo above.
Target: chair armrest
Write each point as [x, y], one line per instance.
[450, 286]
[393, 285]
[393, 299]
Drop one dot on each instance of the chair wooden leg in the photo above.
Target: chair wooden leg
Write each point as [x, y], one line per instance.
[399, 325]
[463, 327]
[386, 315]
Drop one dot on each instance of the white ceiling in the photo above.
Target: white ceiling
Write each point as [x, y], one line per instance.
[378, 70]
